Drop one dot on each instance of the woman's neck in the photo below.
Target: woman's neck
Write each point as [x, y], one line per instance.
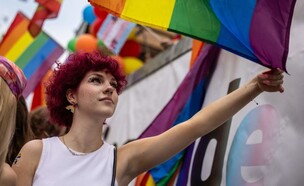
[85, 135]
[82, 143]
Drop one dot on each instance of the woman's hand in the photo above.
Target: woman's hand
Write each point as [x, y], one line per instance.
[271, 80]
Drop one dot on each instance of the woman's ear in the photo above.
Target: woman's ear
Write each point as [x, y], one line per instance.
[70, 96]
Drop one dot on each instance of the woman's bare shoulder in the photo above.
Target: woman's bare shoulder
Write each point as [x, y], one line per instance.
[33, 145]
[32, 148]
[29, 155]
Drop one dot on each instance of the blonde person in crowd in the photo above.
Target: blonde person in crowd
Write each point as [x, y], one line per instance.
[12, 83]
[82, 94]
[42, 127]
[23, 132]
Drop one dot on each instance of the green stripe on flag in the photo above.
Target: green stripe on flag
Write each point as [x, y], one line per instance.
[196, 19]
[31, 51]
[166, 179]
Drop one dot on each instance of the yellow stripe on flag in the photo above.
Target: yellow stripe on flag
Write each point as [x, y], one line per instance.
[144, 12]
[14, 35]
[19, 47]
[150, 181]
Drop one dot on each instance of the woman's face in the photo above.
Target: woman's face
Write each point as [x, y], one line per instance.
[97, 94]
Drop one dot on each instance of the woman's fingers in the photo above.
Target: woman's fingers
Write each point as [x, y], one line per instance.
[273, 71]
[272, 76]
[271, 80]
[281, 88]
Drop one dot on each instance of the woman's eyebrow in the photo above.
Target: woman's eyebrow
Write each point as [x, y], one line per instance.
[97, 74]
[102, 75]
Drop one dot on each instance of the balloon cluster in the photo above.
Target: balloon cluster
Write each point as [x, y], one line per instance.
[128, 58]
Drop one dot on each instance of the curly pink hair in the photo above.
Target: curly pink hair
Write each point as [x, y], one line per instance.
[69, 75]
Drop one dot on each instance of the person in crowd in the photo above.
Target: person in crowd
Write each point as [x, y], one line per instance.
[12, 83]
[82, 94]
[41, 125]
[23, 132]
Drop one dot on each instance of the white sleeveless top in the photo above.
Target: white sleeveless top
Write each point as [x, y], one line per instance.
[58, 167]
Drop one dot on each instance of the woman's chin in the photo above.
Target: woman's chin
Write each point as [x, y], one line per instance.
[107, 113]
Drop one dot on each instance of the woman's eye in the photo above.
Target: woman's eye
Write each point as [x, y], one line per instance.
[95, 80]
[114, 85]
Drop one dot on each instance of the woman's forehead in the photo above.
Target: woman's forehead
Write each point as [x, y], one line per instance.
[103, 72]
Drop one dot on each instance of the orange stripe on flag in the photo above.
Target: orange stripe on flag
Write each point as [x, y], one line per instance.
[15, 34]
[139, 179]
[196, 48]
[115, 7]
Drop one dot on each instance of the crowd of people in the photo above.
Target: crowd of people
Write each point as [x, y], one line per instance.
[62, 144]
[18, 125]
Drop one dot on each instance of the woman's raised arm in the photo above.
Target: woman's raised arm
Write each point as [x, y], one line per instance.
[158, 149]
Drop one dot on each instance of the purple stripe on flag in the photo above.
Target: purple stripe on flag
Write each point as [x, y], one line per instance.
[42, 70]
[271, 41]
[168, 115]
[184, 171]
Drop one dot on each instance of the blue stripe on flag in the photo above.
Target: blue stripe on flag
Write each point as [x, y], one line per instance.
[39, 58]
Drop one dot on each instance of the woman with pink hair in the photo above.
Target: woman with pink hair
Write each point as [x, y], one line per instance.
[81, 95]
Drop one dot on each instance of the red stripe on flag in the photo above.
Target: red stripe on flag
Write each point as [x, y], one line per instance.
[37, 98]
[17, 20]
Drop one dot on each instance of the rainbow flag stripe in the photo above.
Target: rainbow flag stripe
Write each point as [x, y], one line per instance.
[34, 56]
[256, 30]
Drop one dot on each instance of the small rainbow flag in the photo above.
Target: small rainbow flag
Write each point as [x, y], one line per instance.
[34, 56]
[45, 10]
[256, 30]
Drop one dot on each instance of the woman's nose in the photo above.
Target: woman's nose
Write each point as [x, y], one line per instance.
[109, 88]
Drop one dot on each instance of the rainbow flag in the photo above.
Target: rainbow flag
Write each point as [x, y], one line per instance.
[34, 56]
[256, 30]
[187, 100]
[39, 96]
[46, 9]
